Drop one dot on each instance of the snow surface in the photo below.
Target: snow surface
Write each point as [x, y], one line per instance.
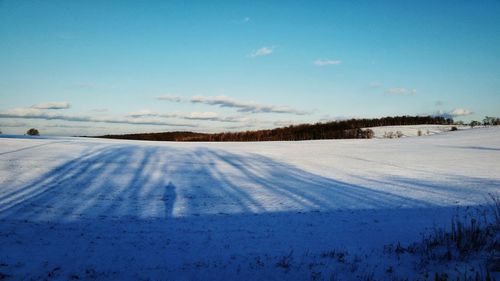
[413, 130]
[82, 208]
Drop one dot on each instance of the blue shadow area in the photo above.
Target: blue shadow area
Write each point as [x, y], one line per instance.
[157, 212]
[142, 181]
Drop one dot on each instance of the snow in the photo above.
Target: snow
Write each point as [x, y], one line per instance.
[83, 208]
[413, 130]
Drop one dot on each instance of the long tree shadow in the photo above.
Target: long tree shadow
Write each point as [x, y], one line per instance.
[490, 149]
[111, 181]
[160, 181]
[173, 209]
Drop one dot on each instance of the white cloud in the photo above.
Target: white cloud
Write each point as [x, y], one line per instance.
[13, 124]
[457, 112]
[401, 91]
[242, 106]
[99, 110]
[206, 116]
[202, 116]
[31, 113]
[284, 123]
[52, 105]
[328, 118]
[211, 116]
[71, 126]
[264, 51]
[460, 112]
[321, 62]
[143, 113]
[169, 98]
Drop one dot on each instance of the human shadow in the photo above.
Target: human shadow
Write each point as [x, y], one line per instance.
[110, 181]
[165, 181]
[161, 211]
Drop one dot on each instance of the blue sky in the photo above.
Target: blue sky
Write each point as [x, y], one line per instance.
[95, 67]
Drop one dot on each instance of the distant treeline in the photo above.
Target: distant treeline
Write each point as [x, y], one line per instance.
[345, 129]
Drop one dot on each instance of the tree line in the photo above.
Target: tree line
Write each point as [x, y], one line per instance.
[345, 129]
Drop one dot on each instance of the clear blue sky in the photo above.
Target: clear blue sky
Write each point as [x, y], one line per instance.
[92, 67]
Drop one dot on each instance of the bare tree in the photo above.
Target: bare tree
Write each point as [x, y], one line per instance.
[474, 123]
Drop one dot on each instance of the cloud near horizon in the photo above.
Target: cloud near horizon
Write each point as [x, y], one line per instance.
[241, 106]
[460, 112]
[52, 105]
[143, 113]
[457, 112]
[203, 116]
[32, 113]
[13, 124]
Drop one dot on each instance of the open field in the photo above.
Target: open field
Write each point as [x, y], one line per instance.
[77, 208]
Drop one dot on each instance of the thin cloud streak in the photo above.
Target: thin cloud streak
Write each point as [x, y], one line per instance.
[52, 105]
[29, 113]
[241, 106]
[13, 124]
[203, 116]
[264, 51]
[457, 112]
[170, 98]
[460, 112]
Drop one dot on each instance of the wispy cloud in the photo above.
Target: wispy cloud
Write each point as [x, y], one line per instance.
[170, 98]
[13, 124]
[328, 118]
[460, 112]
[143, 113]
[322, 62]
[264, 51]
[52, 105]
[204, 116]
[212, 116]
[401, 91]
[242, 106]
[246, 19]
[31, 113]
[284, 123]
[237, 127]
[72, 126]
[457, 112]
[99, 110]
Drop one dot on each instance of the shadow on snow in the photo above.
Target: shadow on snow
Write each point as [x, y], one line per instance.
[155, 207]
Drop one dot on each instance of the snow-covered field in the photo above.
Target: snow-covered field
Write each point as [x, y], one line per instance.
[414, 130]
[76, 208]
